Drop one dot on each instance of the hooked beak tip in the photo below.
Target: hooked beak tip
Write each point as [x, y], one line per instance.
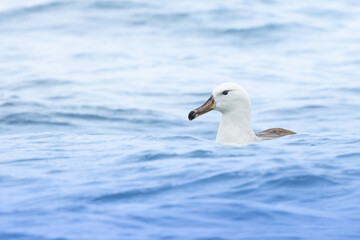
[192, 115]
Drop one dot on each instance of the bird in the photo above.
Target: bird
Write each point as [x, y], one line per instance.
[235, 129]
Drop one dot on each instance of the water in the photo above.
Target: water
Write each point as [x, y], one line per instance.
[95, 141]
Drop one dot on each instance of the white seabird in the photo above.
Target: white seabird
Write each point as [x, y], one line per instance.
[235, 127]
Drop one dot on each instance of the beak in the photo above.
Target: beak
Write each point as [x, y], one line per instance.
[206, 107]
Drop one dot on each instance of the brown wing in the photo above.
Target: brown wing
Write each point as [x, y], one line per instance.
[274, 133]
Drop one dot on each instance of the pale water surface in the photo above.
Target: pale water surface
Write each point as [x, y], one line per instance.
[95, 141]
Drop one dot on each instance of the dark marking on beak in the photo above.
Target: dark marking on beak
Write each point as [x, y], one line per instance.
[206, 107]
[192, 115]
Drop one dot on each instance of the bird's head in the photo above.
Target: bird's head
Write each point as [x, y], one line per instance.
[227, 97]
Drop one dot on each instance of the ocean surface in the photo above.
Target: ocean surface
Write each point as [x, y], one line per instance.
[95, 143]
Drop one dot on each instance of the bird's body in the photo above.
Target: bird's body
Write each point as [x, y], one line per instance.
[235, 127]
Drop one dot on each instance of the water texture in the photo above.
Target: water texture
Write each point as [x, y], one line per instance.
[95, 141]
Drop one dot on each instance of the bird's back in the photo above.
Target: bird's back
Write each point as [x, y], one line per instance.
[273, 133]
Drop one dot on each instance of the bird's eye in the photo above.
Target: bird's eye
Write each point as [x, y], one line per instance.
[225, 92]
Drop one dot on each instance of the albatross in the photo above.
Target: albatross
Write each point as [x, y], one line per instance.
[235, 127]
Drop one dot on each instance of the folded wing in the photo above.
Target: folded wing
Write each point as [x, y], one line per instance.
[274, 133]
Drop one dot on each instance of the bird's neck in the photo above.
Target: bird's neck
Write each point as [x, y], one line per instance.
[235, 128]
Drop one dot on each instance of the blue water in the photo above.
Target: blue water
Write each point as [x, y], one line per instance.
[95, 141]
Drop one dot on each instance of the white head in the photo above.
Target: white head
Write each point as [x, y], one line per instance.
[234, 103]
[226, 98]
[230, 97]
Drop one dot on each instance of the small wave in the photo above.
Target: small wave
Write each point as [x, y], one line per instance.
[324, 13]
[23, 236]
[31, 119]
[313, 107]
[293, 111]
[58, 97]
[21, 104]
[127, 195]
[300, 181]
[256, 32]
[174, 17]
[252, 214]
[150, 156]
[146, 192]
[355, 90]
[352, 172]
[40, 83]
[199, 154]
[22, 11]
[108, 110]
[349, 155]
[88, 116]
[22, 160]
[175, 138]
[123, 5]
[216, 178]
[136, 118]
